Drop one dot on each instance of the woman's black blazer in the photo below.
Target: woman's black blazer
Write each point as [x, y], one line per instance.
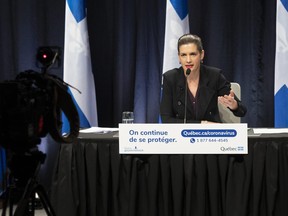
[212, 84]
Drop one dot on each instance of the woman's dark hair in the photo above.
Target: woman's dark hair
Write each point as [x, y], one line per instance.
[190, 38]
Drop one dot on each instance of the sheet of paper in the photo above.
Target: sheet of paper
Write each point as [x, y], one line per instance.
[99, 130]
[270, 130]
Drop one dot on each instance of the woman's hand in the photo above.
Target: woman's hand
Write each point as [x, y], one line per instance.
[229, 101]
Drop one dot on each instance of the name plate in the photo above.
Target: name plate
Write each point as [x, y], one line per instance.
[183, 139]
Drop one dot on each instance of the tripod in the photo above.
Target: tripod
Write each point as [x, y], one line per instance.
[26, 205]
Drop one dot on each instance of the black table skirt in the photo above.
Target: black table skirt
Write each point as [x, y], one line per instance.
[91, 178]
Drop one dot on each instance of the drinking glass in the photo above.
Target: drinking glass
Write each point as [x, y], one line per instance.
[128, 117]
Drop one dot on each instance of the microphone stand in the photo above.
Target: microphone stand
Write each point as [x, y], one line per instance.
[188, 71]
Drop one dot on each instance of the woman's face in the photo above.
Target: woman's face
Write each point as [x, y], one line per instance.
[190, 57]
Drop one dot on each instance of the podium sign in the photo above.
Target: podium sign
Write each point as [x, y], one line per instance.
[183, 139]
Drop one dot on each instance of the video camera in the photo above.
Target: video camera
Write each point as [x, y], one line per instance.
[31, 105]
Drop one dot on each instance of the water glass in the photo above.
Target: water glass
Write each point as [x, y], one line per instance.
[128, 117]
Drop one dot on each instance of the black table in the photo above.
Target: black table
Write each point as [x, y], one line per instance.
[91, 178]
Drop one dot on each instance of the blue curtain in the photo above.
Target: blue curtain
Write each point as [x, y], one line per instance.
[127, 51]
[127, 40]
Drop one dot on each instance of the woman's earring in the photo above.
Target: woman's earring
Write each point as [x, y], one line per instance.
[201, 60]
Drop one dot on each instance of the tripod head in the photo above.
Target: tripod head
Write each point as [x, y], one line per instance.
[24, 165]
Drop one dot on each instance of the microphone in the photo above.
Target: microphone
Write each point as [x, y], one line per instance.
[188, 71]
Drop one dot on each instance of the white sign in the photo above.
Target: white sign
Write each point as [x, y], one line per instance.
[183, 139]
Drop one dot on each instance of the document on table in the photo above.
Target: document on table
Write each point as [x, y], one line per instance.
[270, 130]
[99, 130]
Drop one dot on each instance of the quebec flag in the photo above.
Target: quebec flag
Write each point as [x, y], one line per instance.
[77, 64]
[281, 65]
[177, 24]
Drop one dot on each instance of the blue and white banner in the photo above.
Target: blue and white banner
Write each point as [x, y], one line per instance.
[177, 24]
[281, 65]
[183, 139]
[77, 64]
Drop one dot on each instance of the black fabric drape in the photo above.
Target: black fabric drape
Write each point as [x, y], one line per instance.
[93, 179]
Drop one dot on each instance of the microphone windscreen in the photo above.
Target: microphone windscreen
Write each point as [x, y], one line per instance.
[188, 71]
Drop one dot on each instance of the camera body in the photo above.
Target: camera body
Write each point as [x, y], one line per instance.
[31, 106]
[24, 105]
